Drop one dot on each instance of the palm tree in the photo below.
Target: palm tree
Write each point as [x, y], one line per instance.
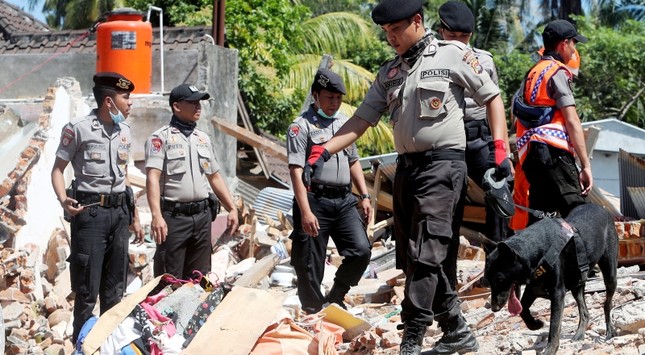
[339, 34]
[75, 14]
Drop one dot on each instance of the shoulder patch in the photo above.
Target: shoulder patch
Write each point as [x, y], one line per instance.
[68, 136]
[294, 130]
[471, 60]
[155, 145]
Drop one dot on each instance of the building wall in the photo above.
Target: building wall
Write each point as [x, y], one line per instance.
[207, 66]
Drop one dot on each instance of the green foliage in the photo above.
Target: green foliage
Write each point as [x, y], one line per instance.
[612, 72]
[511, 69]
[264, 32]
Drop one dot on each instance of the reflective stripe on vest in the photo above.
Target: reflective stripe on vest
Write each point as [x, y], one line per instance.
[554, 133]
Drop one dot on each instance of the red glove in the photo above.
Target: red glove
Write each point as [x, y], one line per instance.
[316, 152]
[317, 158]
[497, 158]
[500, 151]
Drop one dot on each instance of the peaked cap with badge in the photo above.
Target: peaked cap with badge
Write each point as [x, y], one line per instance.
[113, 81]
[389, 11]
[456, 16]
[185, 92]
[328, 80]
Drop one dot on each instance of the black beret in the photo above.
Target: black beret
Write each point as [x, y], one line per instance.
[328, 80]
[114, 81]
[456, 16]
[185, 92]
[558, 30]
[390, 11]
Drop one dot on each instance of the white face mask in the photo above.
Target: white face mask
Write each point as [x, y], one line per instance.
[116, 117]
[322, 113]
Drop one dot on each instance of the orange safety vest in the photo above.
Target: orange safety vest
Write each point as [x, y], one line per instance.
[535, 93]
[520, 219]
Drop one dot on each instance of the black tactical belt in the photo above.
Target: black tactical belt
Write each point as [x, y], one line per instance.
[425, 158]
[330, 191]
[102, 200]
[185, 208]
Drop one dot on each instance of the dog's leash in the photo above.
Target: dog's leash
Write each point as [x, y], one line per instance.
[537, 213]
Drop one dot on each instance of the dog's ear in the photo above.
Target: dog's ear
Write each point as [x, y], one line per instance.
[505, 251]
[486, 241]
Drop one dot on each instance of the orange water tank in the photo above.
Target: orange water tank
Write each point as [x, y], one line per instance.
[124, 45]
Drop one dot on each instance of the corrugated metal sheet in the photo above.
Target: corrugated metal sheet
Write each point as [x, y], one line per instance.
[270, 200]
[631, 170]
[637, 195]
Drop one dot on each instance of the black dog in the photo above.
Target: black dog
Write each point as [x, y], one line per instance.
[543, 256]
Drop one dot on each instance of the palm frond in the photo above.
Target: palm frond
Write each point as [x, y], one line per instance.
[335, 32]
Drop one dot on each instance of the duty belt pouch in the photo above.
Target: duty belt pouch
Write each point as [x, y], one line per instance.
[129, 200]
[214, 205]
[70, 192]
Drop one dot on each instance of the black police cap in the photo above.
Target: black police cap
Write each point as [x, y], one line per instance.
[185, 92]
[114, 81]
[456, 16]
[558, 30]
[390, 11]
[328, 80]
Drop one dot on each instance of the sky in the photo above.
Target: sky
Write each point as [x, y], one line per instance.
[24, 5]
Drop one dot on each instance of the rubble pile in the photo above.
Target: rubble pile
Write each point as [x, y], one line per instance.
[253, 265]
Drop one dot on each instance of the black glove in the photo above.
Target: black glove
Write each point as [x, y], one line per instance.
[314, 164]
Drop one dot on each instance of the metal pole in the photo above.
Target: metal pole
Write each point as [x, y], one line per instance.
[160, 10]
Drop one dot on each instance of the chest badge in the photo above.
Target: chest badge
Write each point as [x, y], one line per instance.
[173, 139]
[124, 139]
[392, 73]
[205, 165]
[435, 103]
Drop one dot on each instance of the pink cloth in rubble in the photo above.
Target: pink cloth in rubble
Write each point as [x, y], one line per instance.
[168, 327]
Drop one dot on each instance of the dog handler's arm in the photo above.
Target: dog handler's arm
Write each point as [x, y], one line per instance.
[158, 226]
[574, 128]
[499, 130]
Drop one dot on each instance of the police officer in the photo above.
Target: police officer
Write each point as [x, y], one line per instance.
[98, 146]
[328, 207]
[180, 168]
[422, 89]
[457, 23]
[546, 149]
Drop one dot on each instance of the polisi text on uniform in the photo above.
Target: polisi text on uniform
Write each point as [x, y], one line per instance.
[435, 73]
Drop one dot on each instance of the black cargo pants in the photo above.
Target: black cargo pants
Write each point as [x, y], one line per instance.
[425, 198]
[98, 260]
[338, 218]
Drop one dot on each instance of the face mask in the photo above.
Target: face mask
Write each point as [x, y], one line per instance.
[322, 113]
[118, 117]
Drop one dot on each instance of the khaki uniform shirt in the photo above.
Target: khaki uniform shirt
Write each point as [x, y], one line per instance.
[426, 102]
[473, 110]
[310, 129]
[99, 157]
[185, 163]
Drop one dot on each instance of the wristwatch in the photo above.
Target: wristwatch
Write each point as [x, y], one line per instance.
[365, 196]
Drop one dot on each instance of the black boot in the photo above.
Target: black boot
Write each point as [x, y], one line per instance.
[337, 295]
[412, 342]
[456, 338]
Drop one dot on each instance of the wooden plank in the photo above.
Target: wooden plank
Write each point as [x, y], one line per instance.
[236, 324]
[476, 214]
[258, 271]
[377, 187]
[250, 138]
